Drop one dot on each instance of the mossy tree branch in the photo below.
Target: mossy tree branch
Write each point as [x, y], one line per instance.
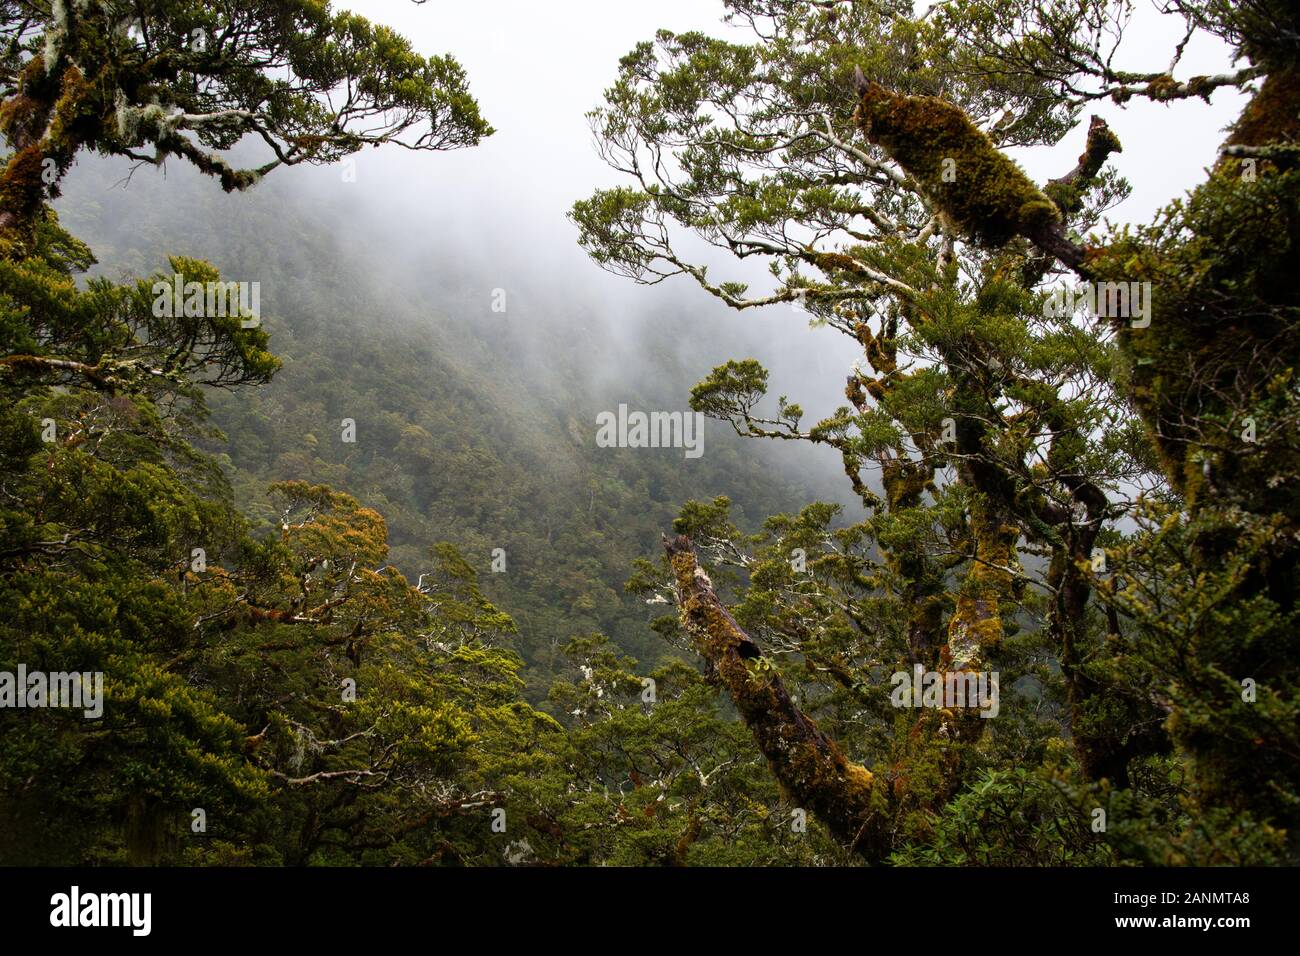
[984, 195]
[847, 797]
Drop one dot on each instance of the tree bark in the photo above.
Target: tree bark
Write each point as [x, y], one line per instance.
[808, 764]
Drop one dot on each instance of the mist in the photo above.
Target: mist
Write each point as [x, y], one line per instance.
[451, 238]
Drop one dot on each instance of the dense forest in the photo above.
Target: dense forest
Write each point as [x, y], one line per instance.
[357, 571]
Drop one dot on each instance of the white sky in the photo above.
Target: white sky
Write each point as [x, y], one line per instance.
[537, 68]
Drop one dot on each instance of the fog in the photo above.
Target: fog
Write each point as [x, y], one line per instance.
[495, 215]
[449, 233]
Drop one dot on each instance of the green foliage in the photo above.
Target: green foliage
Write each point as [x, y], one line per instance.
[314, 705]
[328, 696]
[176, 78]
[1010, 818]
[1130, 575]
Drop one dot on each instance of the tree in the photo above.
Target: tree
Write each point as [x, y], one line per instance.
[105, 502]
[311, 703]
[382, 713]
[1211, 374]
[121, 552]
[997, 422]
[178, 78]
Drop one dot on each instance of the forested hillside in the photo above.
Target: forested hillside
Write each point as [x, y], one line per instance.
[474, 427]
